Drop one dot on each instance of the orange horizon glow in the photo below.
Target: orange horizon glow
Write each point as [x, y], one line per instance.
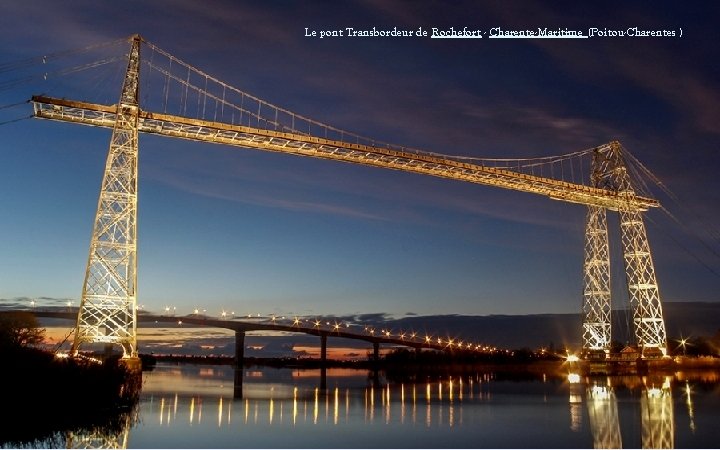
[172, 339]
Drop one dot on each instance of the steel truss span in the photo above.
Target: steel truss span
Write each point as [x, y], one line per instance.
[298, 144]
[108, 307]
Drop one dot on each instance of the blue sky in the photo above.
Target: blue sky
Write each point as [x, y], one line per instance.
[265, 233]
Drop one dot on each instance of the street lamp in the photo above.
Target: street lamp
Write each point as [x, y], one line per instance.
[683, 344]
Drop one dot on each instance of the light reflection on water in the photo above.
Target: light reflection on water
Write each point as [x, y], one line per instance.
[193, 406]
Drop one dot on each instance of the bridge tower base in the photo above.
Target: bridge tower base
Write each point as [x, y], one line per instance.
[609, 171]
[132, 365]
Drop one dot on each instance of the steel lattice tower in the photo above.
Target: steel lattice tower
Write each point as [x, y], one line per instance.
[596, 326]
[108, 310]
[609, 171]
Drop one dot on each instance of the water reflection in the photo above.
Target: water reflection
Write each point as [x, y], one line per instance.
[689, 404]
[190, 406]
[658, 426]
[656, 409]
[115, 436]
[603, 415]
[391, 403]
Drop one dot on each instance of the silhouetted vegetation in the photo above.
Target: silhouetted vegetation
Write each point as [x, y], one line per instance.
[408, 365]
[524, 355]
[48, 397]
[19, 329]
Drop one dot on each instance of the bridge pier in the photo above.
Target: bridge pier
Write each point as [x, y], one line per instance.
[323, 349]
[376, 351]
[239, 348]
[132, 364]
[238, 366]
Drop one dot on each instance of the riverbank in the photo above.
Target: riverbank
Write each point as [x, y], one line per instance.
[434, 365]
[61, 395]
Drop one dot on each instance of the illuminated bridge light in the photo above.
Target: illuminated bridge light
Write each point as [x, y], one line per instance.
[296, 321]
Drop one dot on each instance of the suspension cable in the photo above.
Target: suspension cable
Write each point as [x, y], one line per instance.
[12, 105]
[18, 81]
[221, 101]
[16, 120]
[28, 62]
[687, 250]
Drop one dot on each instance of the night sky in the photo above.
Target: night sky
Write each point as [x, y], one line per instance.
[255, 232]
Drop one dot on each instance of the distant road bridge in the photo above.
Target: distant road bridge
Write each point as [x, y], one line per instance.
[412, 340]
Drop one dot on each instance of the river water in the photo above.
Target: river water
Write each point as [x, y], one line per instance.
[201, 406]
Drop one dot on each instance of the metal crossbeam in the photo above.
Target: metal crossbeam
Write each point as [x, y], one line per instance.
[297, 144]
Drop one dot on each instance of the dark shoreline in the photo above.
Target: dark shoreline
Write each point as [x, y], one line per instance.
[62, 396]
[536, 366]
